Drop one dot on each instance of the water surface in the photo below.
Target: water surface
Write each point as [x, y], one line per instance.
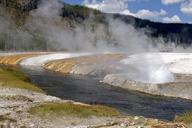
[90, 90]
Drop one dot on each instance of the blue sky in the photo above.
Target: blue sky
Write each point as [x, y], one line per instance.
[155, 10]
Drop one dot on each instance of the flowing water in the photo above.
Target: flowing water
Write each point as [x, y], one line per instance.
[90, 90]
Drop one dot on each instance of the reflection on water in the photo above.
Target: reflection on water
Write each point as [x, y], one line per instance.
[89, 90]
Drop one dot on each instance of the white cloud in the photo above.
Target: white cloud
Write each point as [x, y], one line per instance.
[173, 19]
[166, 2]
[127, 12]
[121, 7]
[109, 6]
[186, 7]
[147, 14]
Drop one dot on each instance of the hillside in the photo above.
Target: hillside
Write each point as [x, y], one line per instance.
[73, 15]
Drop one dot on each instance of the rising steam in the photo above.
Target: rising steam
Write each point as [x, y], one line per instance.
[121, 37]
[46, 25]
[148, 68]
[45, 22]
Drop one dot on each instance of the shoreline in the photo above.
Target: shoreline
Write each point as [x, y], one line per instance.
[22, 108]
[101, 65]
[17, 102]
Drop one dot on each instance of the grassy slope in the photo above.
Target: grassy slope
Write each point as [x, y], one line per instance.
[69, 109]
[11, 77]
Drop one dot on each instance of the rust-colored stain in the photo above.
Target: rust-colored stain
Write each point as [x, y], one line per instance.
[66, 65]
[15, 59]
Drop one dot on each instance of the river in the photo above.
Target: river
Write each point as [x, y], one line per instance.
[89, 90]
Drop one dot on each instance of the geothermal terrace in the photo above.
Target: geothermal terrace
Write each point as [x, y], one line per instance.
[167, 74]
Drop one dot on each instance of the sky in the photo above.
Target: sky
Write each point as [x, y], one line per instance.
[167, 11]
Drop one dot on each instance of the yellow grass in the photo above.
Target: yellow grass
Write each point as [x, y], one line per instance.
[69, 109]
[11, 77]
[186, 118]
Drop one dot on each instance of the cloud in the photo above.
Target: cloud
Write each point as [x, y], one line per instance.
[173, 19]
[121, 7]
[147, 14]
[166, 2]
[186, 7]
[127, 12]
[110, 6]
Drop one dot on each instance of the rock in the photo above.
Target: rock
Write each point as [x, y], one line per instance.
[136, 117]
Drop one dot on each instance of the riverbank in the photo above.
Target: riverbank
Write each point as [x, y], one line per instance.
[19, 107]
[153, 73]
[111, 69]
[99, 64]
[23, 104]
[33, 108]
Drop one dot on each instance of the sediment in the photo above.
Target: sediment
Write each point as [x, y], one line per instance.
[85, 65]
[15, 59]
[104, 64]
[179, 89]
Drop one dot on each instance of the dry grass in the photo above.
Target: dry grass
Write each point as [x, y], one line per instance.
[186, 118]
[69, 109]
[11, 77]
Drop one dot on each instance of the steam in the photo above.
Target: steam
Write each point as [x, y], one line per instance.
[148, 68]
[117, 36]
[57, 34]
[52, 32]
[11, 37]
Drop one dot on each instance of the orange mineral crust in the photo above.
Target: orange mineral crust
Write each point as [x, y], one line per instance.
[15, 59]
[66, 65]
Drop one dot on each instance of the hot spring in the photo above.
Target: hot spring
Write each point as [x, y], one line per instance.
[145, 68]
